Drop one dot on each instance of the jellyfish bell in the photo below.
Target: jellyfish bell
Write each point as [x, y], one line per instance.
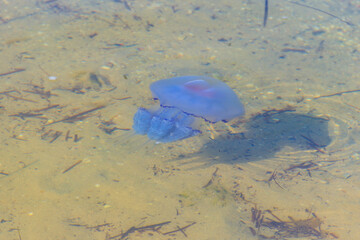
[199, 96]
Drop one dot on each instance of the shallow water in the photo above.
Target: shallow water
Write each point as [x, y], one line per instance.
[73, 73]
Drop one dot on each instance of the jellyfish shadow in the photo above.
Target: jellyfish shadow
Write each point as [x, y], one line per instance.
[265, 135]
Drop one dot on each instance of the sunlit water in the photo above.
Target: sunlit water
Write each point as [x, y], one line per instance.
[73, 74]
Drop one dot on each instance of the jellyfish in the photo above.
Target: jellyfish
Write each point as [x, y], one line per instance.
[183, 101]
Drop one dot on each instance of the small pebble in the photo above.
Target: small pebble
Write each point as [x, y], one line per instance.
[52, 78]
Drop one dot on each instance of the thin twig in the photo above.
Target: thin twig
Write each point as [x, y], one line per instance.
[266, 12]
[76, 117]
[72, 166]
[327, 13]
[12, 72]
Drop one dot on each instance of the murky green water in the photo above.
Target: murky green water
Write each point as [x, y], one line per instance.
[73, 73]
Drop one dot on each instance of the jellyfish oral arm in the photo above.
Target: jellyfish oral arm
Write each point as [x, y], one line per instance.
[164, 125]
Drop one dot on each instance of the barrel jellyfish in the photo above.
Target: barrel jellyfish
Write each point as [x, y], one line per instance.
[183, 101]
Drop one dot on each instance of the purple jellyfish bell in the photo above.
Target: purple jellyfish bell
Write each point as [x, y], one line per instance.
[200, 96]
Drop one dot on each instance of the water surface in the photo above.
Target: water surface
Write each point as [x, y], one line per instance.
[73, 73]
